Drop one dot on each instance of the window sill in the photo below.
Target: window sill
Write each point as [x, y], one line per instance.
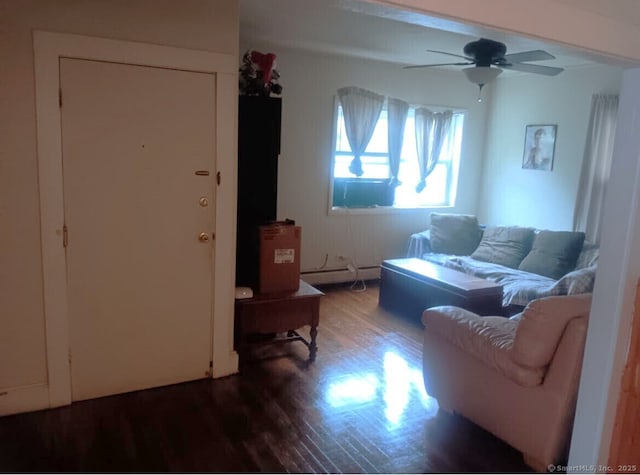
[378, 210]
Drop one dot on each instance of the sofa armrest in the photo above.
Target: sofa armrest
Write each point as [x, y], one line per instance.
[489, 339]
[419, 244]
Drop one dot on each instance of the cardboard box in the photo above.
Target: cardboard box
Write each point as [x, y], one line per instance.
[279, 258]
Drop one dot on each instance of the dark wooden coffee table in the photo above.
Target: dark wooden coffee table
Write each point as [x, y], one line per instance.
[411, 285]
[282, 312]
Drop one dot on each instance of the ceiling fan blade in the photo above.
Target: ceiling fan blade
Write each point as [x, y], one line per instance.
[440, 64]
[525, 56]
[533, 68]
[450, 54]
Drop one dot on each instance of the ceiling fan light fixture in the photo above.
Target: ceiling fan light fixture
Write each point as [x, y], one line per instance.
[485, 53]
[481, 75]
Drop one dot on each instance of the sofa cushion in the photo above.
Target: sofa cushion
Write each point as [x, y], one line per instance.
[553, 254]
[504, 245]
[541, 326]
[457, 234]
[489, 339]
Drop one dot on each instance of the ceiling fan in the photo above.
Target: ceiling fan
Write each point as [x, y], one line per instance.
[489, 58]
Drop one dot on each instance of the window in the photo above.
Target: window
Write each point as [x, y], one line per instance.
[371, 189]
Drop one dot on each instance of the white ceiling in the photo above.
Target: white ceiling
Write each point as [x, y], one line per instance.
[359, 29]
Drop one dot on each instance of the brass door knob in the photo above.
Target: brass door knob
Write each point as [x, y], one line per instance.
[203, 237]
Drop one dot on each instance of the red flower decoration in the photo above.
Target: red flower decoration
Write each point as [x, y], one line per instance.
[258, 75]
[265, 63]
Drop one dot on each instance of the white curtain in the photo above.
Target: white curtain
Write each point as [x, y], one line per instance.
[396, 120]
[431, 130]
[596, 165]
[361, 110]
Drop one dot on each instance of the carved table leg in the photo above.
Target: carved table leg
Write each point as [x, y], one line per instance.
[313, 348]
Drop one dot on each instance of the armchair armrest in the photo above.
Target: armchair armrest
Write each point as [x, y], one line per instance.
[488, 339]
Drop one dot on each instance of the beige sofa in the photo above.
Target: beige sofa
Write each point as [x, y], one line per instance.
[517, 378]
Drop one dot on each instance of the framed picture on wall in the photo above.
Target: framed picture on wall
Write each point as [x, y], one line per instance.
[539, 147]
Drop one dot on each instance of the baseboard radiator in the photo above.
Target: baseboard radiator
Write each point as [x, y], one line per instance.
[336, 276]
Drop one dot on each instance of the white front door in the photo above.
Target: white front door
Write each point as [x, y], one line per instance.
[140, 290]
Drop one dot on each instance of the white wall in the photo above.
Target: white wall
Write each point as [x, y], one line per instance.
[542, 199]
[210, 25]
[310, 82]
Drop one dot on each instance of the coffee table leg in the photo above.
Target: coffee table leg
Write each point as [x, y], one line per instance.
[313, 348]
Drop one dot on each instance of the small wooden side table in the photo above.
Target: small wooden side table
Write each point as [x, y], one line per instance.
[279, 313]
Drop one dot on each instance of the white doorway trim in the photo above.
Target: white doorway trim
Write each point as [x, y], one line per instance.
[48, 49]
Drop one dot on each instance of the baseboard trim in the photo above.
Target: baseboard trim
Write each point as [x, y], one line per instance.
[341, 275]
[24, 399]
[227, 367]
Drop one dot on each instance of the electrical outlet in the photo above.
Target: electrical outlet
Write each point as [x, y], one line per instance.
[342, 257]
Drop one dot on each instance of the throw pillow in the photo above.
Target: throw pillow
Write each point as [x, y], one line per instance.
[457, 234]
[579, 281]
[505, 245]
[554, 253]
[588, 255]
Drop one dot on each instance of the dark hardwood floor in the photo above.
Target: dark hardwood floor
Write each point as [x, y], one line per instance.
[361, 407]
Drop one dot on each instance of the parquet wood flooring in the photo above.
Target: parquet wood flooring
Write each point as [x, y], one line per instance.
[360, 408]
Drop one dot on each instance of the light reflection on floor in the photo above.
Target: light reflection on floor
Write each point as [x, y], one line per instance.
[397, 385]
[353, 390]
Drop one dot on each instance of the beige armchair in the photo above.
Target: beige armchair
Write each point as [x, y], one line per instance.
[517, 378]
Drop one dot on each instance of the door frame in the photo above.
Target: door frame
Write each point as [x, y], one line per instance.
[48, 49]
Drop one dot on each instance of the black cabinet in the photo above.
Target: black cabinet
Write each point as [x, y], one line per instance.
[258, 150]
